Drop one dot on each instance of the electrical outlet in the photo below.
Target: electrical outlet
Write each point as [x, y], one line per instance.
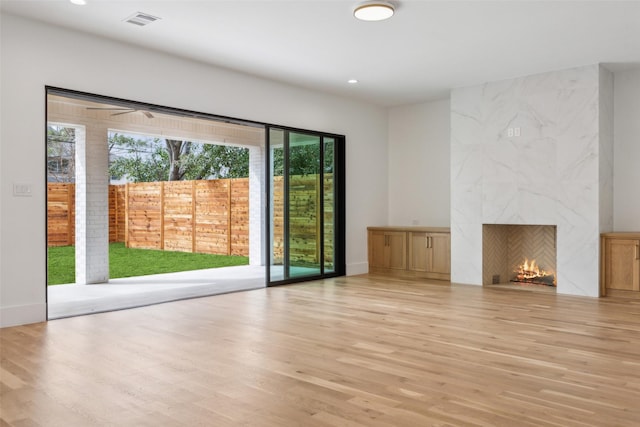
[516, 132]
[510, 132]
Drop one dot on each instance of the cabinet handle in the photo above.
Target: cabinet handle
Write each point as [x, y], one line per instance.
[637, 251]
[430, 242]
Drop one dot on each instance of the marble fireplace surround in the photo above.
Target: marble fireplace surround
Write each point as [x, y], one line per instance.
[558, 171]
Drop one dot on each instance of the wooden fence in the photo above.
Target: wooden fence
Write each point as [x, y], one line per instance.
[200, 216]
[189, 216]
[304, 220]
[61, 211]
[117, 213]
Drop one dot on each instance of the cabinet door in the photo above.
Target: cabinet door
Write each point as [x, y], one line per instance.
[430, 252]
[377, 249]
[418, 252]
[440, 248]
[397, 250]
[622, 264]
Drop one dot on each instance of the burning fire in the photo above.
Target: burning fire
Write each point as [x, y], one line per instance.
[532, 273]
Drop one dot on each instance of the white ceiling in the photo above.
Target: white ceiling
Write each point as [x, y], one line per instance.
[427, 48]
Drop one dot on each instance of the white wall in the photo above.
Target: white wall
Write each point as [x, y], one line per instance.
[419, 164]
[626, 151]
[34, 55]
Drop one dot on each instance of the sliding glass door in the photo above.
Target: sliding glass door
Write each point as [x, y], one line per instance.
[305, 205]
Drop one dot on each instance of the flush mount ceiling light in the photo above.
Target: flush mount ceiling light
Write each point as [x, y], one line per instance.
[374, 11]
[79, 2]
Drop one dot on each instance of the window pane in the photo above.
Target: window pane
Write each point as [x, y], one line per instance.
[304, 204]
[276, 155]
[329, 202]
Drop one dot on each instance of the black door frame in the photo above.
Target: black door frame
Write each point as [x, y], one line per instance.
[339, 204]
[339, 174]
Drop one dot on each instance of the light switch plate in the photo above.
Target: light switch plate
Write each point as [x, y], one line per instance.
[21, 189]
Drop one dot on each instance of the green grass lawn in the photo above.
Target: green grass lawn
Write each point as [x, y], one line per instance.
[125, 262]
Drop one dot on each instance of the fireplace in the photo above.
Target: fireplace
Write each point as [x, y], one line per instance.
[519, 254]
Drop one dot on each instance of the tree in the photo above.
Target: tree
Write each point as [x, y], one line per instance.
[177, 150]
[304, 159]
[61, 154]
[145, 160]
[221, 161]
[140, 160]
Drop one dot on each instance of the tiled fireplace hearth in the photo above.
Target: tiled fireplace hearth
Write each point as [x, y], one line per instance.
[532, 151]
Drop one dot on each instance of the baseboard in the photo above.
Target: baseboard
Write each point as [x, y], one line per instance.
[618, 293]
[357, 268]
[22, 314]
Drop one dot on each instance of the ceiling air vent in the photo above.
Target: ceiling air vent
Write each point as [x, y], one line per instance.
[141, 19]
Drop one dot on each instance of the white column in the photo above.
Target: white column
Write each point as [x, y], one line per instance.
[92, 205]
[256, 204]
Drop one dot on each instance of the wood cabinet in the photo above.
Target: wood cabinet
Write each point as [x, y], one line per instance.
[388, 249]
[620, 263]
[430, 253]
[410, 251]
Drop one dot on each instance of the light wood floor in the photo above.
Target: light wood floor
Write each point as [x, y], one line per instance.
[358, 351]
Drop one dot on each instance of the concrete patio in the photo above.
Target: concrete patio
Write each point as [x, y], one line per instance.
[74, 300]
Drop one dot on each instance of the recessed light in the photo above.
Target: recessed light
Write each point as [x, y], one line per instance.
[374, 11]
[79, 2]
[352, 81]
